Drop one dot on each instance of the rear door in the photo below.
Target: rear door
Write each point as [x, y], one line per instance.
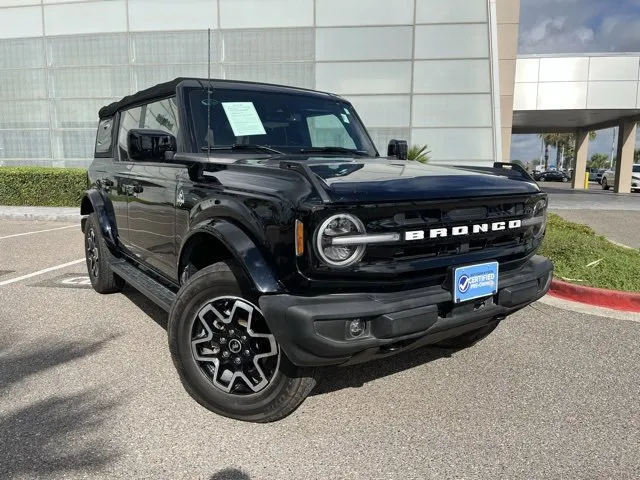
[106, 173]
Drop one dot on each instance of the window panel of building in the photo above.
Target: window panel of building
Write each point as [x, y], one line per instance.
[268, 45]
[80, 50]
[294, 74]
[21, 22]
[451, 76]
[27, 84]
[21, 53]
[90, 82]
[147, 76]
[271, 14]
[453, 145]
[171, 15]
[89, 17]
[24, 114]
[359, 12]
[364, 77]
[451, 11]
[78, 113]
[366, 43]
[452, 111]
[162, 48]
[74, 144]
[382, 110]
[25, 144]
[452, 41]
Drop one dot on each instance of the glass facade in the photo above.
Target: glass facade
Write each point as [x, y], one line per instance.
[415, 69]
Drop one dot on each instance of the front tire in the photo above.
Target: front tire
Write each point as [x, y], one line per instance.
[97, 254]
[605, 185]
[225, 355]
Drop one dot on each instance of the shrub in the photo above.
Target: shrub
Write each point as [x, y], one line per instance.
[42, 186]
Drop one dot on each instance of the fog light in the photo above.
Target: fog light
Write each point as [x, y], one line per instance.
[356, 327]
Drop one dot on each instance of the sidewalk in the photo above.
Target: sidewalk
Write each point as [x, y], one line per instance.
[51, 214]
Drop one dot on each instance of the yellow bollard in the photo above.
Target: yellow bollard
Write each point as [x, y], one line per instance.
[586, 180]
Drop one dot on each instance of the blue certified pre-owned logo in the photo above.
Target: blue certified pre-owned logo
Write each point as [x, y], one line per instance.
[463, 283]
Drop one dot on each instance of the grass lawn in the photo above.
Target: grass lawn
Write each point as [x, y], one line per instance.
[585, 258]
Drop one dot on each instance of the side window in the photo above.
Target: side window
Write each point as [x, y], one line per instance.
[128, 119]
[104, 138]
[162, 115]
[329, 131]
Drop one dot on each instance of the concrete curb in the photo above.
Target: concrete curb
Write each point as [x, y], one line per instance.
[46, 214]
[600, 297]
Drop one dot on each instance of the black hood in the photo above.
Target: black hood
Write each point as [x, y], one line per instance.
[379, 180]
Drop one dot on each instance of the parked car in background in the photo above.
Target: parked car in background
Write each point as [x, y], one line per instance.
[609, 176]
[593, 174]
[552, 176]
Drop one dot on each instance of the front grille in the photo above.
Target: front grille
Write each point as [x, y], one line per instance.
[412, 263]
[424, 217]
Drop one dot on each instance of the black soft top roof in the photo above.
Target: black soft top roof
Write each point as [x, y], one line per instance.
[167, 89]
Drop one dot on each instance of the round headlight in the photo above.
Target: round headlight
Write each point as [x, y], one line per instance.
[337, 226]
[540, 218]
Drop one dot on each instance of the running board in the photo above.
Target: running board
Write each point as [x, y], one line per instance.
[150, 288]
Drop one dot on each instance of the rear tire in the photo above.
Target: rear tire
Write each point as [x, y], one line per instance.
[225, 355]
[468, 339]
[97, 254]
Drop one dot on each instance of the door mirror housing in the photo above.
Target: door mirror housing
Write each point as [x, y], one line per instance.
[150, 145]
[398, 149]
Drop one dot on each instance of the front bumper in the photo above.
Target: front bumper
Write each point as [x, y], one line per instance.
[315, 330]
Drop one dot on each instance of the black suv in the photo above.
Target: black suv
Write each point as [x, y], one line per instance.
[263, 219]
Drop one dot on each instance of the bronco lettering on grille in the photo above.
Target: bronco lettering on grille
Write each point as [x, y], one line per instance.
[462, 230]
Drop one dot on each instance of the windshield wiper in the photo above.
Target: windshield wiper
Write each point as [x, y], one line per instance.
[352, 151]
[243, 146]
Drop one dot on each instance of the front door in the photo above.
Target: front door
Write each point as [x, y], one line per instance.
[151, 190]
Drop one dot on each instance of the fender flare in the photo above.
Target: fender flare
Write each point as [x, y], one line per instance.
[103, 211]
[244, 250]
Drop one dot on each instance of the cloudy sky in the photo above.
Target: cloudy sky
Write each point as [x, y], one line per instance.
[576, 26]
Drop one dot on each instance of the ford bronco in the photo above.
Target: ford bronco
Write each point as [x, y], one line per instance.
[264, 221]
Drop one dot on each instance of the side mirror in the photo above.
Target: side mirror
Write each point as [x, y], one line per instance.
[150, 145]
[398, 149]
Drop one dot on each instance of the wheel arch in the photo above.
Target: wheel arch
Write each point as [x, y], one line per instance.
[221, 240]
[93, 202]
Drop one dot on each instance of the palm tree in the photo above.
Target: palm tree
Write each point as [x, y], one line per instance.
[564, 143]
[418, 153]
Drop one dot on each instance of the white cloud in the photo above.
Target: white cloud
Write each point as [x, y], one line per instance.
[579, 26]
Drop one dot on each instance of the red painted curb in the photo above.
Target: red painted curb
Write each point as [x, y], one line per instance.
[625, 301]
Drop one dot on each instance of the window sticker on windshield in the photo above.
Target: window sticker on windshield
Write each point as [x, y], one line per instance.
[243, 118]
[346, 111]
[345, 119]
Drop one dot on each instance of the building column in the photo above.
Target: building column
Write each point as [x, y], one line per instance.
[582, 147]
[624, 162]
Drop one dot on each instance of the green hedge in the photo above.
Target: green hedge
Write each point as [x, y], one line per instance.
[42, 186]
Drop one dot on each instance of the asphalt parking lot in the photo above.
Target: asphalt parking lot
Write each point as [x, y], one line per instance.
[88, 390]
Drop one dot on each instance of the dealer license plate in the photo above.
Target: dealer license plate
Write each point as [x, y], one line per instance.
[475, 281]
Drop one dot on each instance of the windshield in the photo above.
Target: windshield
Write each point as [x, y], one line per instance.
[288, 123]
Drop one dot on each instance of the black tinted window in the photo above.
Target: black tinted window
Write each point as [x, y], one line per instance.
[104, 137]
